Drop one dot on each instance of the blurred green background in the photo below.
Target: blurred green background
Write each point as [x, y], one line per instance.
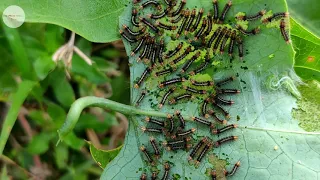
[31, 144]
[27, 54]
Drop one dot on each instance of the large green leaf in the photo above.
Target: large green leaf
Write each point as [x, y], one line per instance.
[307, 47]
[306, 13]
[94, 20]
[271, 144]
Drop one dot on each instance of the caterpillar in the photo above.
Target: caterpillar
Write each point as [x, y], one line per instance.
[225, 11]
[248, 33]
[166, 171]
[187, 65]
[180, 97]
[154, 130]
[151, 2]
[190, 89]
[139, 46]
[252, 17]
[155, 121]
[203, 152]
[186, 133]
[224, 129]
[170, 82]
[276, 16]
[234, 169]
[173, 52]
[155, 146]
[196, 148]
[143, 94]
[205, 83]
[145, 73]
[224, 140]
[165, 97]
[146, 153]
[182, 4]
[191, 19]
[199, 16]
[129, 39]
[181, 119]
[284, 32]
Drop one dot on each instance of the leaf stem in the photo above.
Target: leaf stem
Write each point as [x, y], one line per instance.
[91, 101]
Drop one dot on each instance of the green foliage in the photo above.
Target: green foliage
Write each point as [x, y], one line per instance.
[305, 12]
[307, 47]
[18, 51]
[16, 100]
[96, 21]
[47, 98]
[102, 157]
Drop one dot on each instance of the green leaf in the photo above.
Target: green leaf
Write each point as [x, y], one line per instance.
[78, 172]
[89, 121]
[43, 66]
[53, 37]
[306, 13]
[16, 100]
[40, 143]
[103, 157]
[57, 114]
[307, 47]
[271, 144]
[19, 53]
[96, 21]
[61, 156]
[92, 73]
[74, 142]
[61, 88]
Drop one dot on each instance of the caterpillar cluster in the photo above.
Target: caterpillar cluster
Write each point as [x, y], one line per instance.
[177, 45]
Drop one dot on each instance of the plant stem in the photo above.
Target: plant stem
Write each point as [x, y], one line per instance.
[81, 103]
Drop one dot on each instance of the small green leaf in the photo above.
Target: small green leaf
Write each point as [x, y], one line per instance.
[40, 143]
[43, 66]
[73, 141]
[103, 157]
[57, 114]
[61, 156]
[38, 117]
[61, 88]
[16, 100]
